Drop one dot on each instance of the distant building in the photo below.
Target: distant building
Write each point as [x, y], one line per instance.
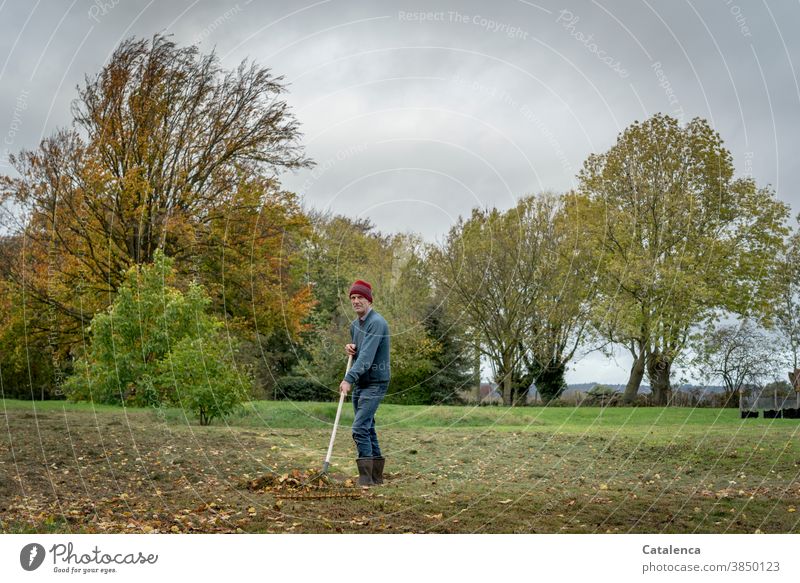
[490, 395]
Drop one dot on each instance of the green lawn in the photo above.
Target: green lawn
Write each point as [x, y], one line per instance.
[76, 467]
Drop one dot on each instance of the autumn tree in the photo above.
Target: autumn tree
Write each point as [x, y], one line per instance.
[27, 371]
[167, 150]
[510, 276]
[563, 293]
[676, 239]
[478, 269]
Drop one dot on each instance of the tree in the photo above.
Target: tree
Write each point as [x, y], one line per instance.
[560, 313]
[204, 377]
[478, 270]
[676, 239]
[26, 372]
[168, 151]
[602, 395]
[512, 276]
[739, 355]
[450, 363]
[787, 313]
[156, 345]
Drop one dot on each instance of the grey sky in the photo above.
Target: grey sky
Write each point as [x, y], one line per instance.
[417, 111]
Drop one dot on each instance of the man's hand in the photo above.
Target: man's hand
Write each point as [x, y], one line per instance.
[345, 387]
[350, 349]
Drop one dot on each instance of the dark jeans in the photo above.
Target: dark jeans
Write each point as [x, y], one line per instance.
[365, 403]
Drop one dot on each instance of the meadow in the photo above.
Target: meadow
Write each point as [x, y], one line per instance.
[68, 467]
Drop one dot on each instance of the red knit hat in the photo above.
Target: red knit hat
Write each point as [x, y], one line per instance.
[362, 288]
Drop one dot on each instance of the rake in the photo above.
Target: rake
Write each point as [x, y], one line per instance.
[326, 464]
[317, 486]
[319, 491]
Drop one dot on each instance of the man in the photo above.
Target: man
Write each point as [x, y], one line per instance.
[369, 379]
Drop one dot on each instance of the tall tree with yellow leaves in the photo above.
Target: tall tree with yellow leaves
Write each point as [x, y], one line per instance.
[167, 150]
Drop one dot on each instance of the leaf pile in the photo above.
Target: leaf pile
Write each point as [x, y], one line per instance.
[298, 482]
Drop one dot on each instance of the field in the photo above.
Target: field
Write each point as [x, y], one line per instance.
[79, 468]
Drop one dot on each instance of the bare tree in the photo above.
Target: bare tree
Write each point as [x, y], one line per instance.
[739, 355]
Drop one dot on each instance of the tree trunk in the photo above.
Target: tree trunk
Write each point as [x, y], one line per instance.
[658, 370]
[507, 393]
[634, 380]
[521, 396]
[506, 379]
[477, 376]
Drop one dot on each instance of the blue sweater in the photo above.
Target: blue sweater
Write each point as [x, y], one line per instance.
[371, 338]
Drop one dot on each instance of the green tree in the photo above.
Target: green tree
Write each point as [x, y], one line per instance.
[563, 293]
[128, 340]
[204, 377]
[513, 277]
[450, 373]
[676, 239]
[156, 345]
[479, 269]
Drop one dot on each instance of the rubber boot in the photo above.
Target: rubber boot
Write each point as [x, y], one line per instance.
[365, 471]
[377, 469]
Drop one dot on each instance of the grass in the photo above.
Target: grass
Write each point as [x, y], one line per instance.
[81, 468]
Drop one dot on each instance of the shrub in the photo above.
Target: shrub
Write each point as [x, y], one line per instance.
[602, 395]
[302, 389]
[204, 378]
[156, 345]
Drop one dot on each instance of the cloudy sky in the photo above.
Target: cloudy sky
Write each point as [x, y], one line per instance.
[416, 112]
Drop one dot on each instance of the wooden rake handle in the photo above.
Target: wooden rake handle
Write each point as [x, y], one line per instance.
[336, 421]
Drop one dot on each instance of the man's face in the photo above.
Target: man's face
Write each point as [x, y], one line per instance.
[360, 304]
